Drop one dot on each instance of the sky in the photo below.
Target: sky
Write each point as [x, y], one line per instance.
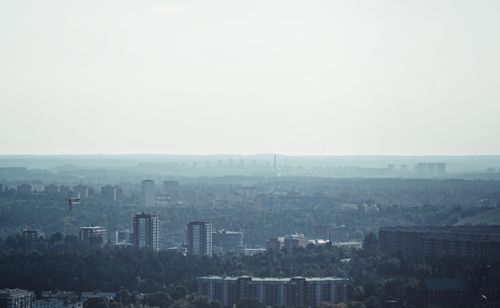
[413, 77]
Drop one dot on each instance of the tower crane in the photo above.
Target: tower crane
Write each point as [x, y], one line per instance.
[70, 219]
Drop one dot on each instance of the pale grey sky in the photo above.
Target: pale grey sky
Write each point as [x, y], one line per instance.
[292, 77]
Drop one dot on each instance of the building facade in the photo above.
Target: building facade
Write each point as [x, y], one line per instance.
[290, 292]
[332, 233]
[109, 193]
[51, 189]
[81, 191]
[123, 237]
[294, 241]
[24, 188]
[32, 233]
[16, 298]
[199, 238]
[94, 234]
[229, 241]
[462, 241]
[148, 193]
[146, 231]
[275, 243]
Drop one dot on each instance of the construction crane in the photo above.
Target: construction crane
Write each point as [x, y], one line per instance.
[70, 219]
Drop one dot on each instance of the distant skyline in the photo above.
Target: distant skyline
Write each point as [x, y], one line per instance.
[246, 77]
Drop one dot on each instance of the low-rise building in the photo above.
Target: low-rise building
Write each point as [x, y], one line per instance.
[32, 233]
[456, 241]
[16, 298]
[93, 234]
[275, 243]
[51, 189]
[229, 241]
[107, 295]
[124, 237]
[293, 241]
[24, 188]
[48, 303]
[446, 293]
[290, 292]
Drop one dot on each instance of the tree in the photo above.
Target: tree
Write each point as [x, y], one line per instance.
[179, 292]
[158, 299]
[249, 303]
[123, 296]
[370, 244]
[96, 302]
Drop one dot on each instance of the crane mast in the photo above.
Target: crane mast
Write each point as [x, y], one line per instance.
[70, 219]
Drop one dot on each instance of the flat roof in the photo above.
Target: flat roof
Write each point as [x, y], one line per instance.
[271, 279]
[490, 229]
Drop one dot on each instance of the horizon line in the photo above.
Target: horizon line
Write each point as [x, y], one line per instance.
[249, 154]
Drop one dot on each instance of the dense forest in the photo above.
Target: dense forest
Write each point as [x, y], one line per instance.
[65, 263]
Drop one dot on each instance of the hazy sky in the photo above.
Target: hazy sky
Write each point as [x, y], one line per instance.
[292, 77]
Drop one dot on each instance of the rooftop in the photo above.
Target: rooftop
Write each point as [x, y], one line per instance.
[445, 284]
[491, 229]
[271, 279]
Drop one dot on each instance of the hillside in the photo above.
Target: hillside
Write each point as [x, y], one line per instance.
[491, 217]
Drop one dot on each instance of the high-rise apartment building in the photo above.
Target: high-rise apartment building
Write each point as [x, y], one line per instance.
[147, 231]
[81, 191]
[148, 193]
[109, 193]
[199, 238]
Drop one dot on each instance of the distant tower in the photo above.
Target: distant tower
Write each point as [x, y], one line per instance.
[109, 193]
[274, 165]
[69, 221]
[199, 238]
[148, 193]
[147, 231]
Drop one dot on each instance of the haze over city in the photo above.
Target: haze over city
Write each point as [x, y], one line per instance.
[249, 154]
[289, 77]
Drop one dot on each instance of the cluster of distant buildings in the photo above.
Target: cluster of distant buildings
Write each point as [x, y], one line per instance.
[339, 236]
[201, 240]
[149, 196]
[19, 298]
[421, 169]
[108, 193]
